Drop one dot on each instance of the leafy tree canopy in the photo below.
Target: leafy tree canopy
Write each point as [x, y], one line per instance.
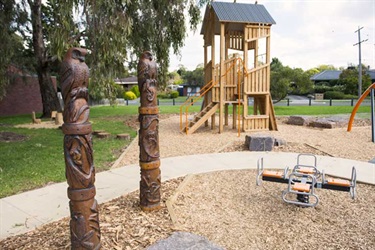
[195, 77]
[349, 80]
[286, 80]
[11, 48]
[114, 32]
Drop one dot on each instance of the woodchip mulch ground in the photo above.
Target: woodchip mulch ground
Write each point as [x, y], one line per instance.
[227, 207]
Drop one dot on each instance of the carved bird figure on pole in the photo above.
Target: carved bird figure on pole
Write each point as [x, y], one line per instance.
[74, 82]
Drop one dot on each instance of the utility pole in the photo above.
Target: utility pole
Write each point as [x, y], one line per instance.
[360, 62]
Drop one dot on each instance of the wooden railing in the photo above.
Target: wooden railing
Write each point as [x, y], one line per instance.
[257, 81]
[235, 77]
[232, 66]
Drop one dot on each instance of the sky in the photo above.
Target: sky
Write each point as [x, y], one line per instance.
[307, 33]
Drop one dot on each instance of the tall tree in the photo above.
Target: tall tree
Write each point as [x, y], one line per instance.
[159, 25]
[349, 80]
[11, 44]
[112, 30]
[48, 92]
[285, 79]
[194, 77]
[279, 82]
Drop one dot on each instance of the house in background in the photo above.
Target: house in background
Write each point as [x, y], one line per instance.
[127, 83]
[334, 75]
[190, 90]
[22, 93]
[326, 76]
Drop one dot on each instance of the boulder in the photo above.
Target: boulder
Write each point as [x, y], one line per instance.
[260, 142]
[299, 120]
[322, 123]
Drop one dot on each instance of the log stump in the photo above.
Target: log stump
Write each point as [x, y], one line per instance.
[59, 119]
[95, 132]
[103, 135]
[123, 136]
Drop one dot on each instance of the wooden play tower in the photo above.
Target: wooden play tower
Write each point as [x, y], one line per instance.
[242, 75]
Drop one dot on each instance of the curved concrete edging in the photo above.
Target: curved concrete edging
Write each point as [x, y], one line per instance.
[26, 211]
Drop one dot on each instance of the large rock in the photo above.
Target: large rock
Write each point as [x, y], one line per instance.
[260, 142]
[299, 120]
[183, 241]
[322, 123]
[329, 122]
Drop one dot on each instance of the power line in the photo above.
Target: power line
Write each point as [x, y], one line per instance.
[360, 62]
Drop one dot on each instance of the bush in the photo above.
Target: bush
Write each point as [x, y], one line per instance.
[324, 88]
[119, 91]
[135, 90]
[163, 95]
[174, 94]
[350, 97]
[168, 95]
[129, 95]
[334, 95]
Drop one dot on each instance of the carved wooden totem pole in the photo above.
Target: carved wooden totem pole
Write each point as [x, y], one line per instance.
[148, 134]
[78, 151]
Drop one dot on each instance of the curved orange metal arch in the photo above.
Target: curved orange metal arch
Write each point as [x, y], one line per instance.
[363, 96]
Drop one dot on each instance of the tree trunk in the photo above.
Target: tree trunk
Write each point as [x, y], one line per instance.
[47, 90]
[49, 94]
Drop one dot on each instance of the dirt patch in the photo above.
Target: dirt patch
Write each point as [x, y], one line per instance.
[11, 137]
[335, 142]
[46, 124]
[230, 210]
[227, 207]
[123, 225]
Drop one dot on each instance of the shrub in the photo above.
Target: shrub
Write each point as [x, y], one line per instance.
[119, 91]
[163, 95]
[334, 95]
[129, 95]
[135, 90]
[324, 88]
[174, 94]
[350, 96]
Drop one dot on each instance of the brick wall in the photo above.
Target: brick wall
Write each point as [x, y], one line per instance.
[22, 97]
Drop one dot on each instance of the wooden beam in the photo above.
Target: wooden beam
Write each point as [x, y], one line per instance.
[226, 114]
[246, 62]
[234, 125]
[222, 71]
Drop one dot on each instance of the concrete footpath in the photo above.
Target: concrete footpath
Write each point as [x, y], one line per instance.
[26, 211]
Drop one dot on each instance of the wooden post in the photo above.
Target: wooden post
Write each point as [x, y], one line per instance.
[226, 114]
[213, 58]
[245, 82]
[234, 125]
[78, 152]
[222, 71]
[268, 60]
[149, 156]
[205, 64]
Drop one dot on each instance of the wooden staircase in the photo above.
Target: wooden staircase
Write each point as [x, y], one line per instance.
[200, 118]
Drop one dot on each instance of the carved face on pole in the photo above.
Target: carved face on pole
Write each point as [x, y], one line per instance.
[148, 134]
[79, 166]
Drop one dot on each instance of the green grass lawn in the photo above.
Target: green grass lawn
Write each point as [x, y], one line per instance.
[39, 159]
[318, 110]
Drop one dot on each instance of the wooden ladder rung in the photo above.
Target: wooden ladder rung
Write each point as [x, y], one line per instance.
[338, 182]
[301, 187]
[305, 170]
[274, 174]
